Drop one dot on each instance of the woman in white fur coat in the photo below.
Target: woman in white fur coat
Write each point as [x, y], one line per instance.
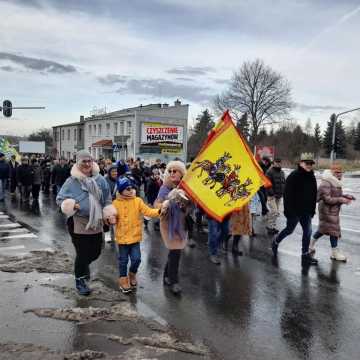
[330, 198]
[84, 198]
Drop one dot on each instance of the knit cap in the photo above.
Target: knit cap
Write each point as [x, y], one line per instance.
[82, 155]
[123, 183]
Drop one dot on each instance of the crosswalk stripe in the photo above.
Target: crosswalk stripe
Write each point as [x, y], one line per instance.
[28, 235]
[8, 248]
[12, 230]
[11, 225]
[4, 216]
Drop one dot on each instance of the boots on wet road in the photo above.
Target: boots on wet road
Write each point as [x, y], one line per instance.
[82, 287]
[124, 284]
[337, 255]
[133, 280]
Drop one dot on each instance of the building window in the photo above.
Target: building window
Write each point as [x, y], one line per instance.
[80, 134]
[90, 128]
[68, 155]
[75, 138]
[122, 128]
[62, 134]
[99, 127]
[56, 136]
[94, 130]
[115, 128]
[107, 129]
[129, 130]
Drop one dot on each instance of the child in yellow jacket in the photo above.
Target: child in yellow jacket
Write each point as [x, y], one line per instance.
[126, 215]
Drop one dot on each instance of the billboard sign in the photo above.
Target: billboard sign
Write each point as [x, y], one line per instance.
[261, 151]
[159, 133]
[32, 147]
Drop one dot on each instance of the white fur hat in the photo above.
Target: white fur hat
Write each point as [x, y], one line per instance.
[67, 207]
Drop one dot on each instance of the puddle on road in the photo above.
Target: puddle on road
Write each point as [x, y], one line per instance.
[40, 261]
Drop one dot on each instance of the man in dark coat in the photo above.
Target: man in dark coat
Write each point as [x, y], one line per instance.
[13, 168]
[265, 164]
[4, 175]
[299, 206]
[24, 178]
[60, 173]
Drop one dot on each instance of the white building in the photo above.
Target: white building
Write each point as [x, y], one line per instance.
[149, 132]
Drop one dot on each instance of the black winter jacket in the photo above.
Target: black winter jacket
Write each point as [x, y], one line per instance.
[60, 174]
[300, 193]
[277, 178]
[25, 174]
[4, 170]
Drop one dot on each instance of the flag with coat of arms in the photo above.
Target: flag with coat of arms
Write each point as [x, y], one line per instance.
[225, 175]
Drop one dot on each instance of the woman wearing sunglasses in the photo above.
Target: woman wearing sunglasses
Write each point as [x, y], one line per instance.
[173, 226]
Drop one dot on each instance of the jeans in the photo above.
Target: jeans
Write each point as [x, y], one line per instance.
[172, 266]
[2, 188]
[218, 232]
[131, 251]
[291, 222]
[333, 239]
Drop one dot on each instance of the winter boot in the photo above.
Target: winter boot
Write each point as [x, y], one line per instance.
[124, 284]
[82, 287]
[235, 245]
[175, 289]
[133, 280]
[308, 260]
[312, 246]
[337, 255]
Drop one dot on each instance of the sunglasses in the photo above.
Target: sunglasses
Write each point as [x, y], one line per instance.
[172, 171]
[309, 163]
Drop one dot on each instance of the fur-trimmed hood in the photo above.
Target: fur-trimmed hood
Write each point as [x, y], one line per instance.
[329, 177]
[76, 173]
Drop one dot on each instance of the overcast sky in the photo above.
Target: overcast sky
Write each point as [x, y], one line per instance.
[74, 55]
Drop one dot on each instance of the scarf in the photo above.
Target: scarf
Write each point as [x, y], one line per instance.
[95, 212]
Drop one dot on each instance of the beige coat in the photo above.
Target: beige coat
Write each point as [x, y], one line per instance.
[240, 222]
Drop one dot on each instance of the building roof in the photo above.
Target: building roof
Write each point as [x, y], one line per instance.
[103, 143]
[69, 124]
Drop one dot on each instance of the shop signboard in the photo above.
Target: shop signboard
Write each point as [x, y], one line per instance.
[262, 150]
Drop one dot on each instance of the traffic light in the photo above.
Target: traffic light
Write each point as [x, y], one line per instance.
[7, 108]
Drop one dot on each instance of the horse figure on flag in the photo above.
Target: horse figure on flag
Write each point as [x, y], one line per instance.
[238, 192]
[216, 171]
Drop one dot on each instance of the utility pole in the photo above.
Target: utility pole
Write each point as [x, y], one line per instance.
[334, 118]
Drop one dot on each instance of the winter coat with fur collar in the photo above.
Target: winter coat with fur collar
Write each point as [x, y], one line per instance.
[330, 198]
[72, 190]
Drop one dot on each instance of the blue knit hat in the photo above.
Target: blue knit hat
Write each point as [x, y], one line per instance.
[123, 183]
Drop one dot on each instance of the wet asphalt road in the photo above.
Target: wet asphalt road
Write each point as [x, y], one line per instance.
[248, 307]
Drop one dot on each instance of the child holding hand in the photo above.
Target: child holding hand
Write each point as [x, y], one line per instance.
[126, 213]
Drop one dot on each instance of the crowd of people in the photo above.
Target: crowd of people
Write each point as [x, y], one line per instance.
[122, 197]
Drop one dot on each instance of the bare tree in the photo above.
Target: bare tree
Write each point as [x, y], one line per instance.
[259, 91]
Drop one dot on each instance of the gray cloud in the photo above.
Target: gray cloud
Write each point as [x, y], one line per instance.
[35, 64]
[184, 79]
[306, 107]
[166, 88]
[222, 81]
[111, 79]
[7, 68]
[191, 70]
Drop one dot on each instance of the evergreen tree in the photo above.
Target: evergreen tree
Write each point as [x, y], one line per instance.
[204, 123]
[340, 139]
[243, 125]
[351, 133]
[308, 127]
[317, 138]
[357, 138]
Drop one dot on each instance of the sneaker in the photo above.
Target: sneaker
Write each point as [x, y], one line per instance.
[274, 248]
[82, 287]
[337, 255]
[308, 260]
[191, 243]
[166, 281]
[176, 289]
[215, 259]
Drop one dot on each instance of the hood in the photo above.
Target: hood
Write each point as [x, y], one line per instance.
[329, 177]
[76, 173]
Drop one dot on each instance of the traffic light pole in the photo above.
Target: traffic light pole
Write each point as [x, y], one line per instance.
[335, 117]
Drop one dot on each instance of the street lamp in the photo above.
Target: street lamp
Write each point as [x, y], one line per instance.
[334, 118]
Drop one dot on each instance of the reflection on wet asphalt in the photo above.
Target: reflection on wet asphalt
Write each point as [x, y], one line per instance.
[249, 307]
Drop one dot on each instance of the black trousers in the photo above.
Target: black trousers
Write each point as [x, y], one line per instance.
[87, 247]
[172, 266]
[35, 190]
[13, 185]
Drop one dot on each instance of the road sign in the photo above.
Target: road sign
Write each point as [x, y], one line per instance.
[7, 108]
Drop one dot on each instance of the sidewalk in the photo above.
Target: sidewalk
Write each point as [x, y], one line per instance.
[42, 317]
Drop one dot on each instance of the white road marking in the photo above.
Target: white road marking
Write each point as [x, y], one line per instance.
[16, 230]
[4, 216]
[10, 225]
[8, 248]
[19, 236]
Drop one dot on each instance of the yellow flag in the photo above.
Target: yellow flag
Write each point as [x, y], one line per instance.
[225, 175]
